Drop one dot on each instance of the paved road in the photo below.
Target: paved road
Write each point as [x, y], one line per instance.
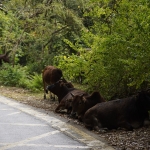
[25, 128]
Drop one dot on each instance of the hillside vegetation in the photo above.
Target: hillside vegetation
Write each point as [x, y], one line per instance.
[102, 45]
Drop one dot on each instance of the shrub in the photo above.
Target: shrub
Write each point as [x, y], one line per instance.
[11, 76]
[18, 76]
[36, 83]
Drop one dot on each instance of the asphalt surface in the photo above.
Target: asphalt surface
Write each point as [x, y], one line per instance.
[23, 127]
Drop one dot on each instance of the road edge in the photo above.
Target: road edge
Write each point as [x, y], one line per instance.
[58, 124]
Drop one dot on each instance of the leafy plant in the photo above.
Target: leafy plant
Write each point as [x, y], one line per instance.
[36, 83]
[118, 60]
[13, 76]
[18, 76]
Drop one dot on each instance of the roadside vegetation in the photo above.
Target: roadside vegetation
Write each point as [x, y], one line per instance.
[100, 45]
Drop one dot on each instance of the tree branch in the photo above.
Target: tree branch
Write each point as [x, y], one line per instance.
[55, 32]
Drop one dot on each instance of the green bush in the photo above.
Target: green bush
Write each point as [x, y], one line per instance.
[11, 76]
[18, 76]
[117, 64]
[73, 67]
[36, 83]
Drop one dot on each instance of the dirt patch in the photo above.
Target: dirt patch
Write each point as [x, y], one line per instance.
[138, 139]
[27, 97]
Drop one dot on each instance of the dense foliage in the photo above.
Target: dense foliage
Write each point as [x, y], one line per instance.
[102, 44]
[117, 63]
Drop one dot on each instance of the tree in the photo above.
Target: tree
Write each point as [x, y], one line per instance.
[117, 64]
[44, 26]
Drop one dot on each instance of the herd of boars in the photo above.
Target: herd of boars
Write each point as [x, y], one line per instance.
[92, 109]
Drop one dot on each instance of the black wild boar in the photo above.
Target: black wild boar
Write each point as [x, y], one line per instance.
[81, 103]
[128, 113]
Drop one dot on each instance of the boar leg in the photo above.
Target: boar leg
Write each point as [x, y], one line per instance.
[59, 108]
[97, 126]
[93, 123]
[125, 125]
[80, 118]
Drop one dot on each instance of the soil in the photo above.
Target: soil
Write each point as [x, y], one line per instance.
[139, 139]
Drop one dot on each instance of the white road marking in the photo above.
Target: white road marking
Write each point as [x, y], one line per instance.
[48, 145]
[23, 142]
[5, 109]
[13, 113]
[70, 146]
[22, 124]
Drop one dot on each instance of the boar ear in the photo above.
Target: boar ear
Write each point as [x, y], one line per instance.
[72, 94]
[84, 99]
[60, 83]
